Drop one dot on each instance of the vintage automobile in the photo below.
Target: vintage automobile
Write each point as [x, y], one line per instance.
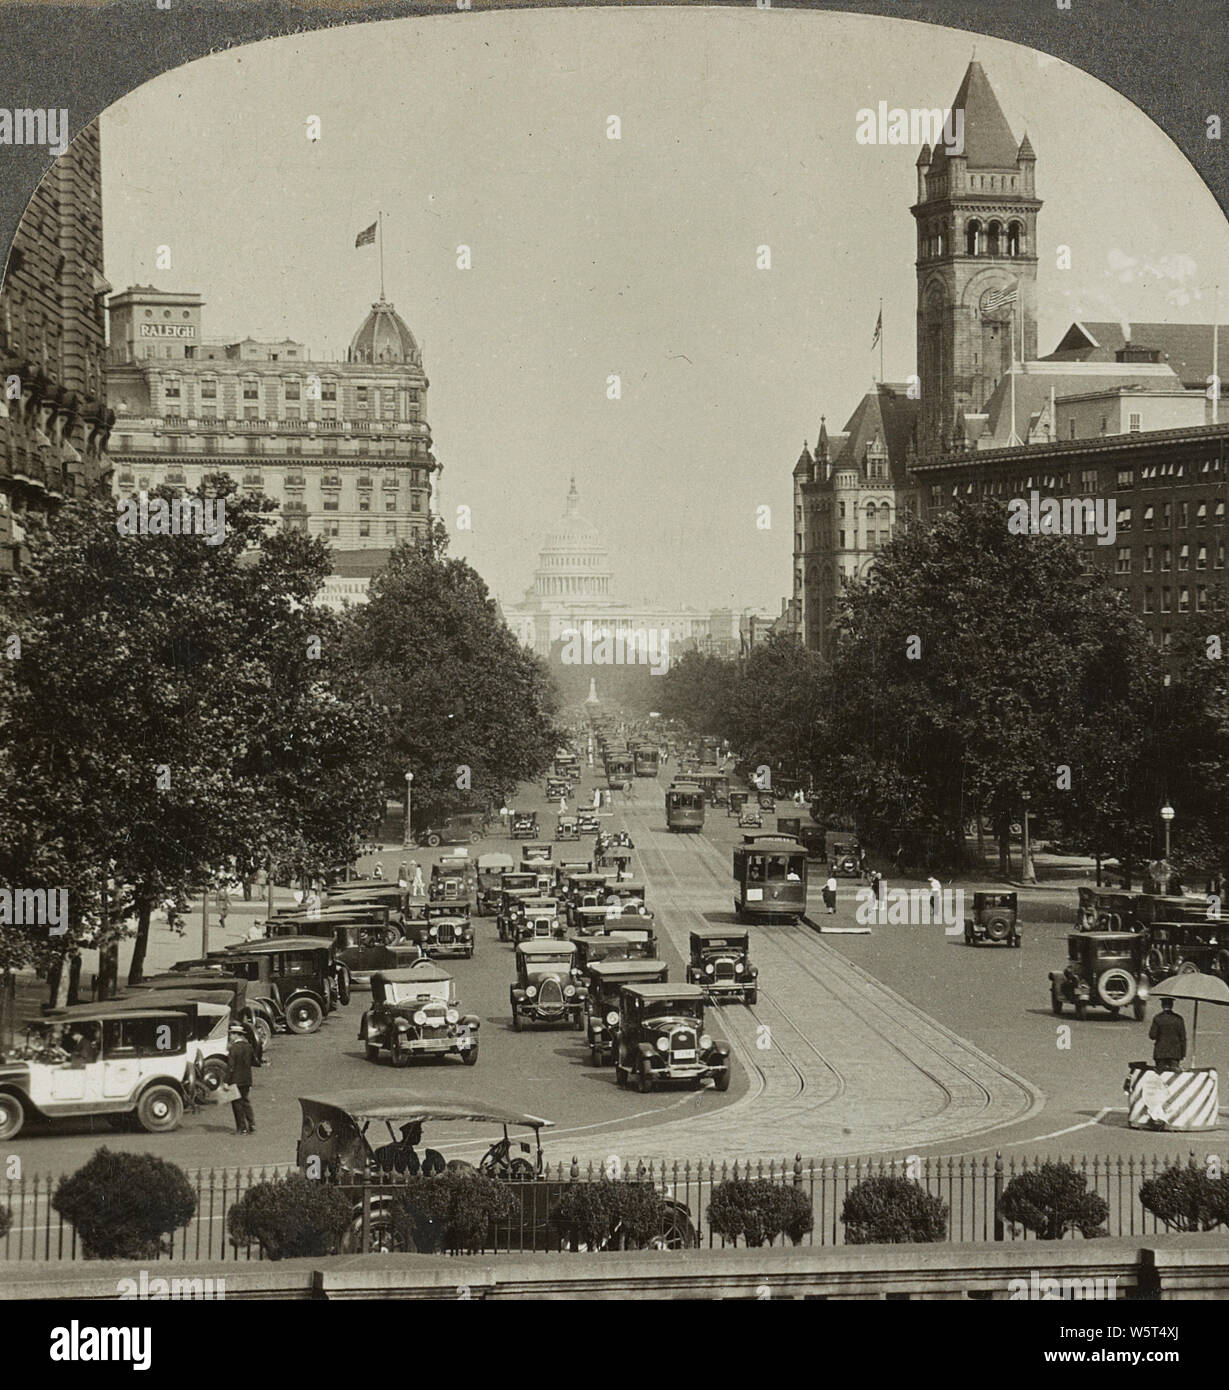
[537, 852]
[1105, 910]
[447, 930]
[1104, 969]
[545, 990]
[620, 896]
[749, 817]
[517, 890]
[387, 895]
[296, 980]
[567, 767]
[492, 869]
[448, 882]
[845, 861]
[611, 946]
[524, 825]
[565, 871]
[767, 800]
[721, 964]
[414, 1013]
[567, 828]
[616, 857]
[132, 1063]
[588, 822]
[466, 827]
[661, 1037]
[735, 803]
[714, 784]
[539, 919]
[588, 920]
[815, 839]
[994, 919]
[1187, 947]
[557, 787]
[604, 979]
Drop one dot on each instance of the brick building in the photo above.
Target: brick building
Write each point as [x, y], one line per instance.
[344, 448]
[54, 420]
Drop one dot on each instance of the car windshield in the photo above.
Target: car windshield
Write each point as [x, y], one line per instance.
[674, 1008]
[551, 962]
[438, 990]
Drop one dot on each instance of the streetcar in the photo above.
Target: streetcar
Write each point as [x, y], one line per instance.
[714, 784]
[645, 760]
[770, 876]
[620, 767]
[684, 807]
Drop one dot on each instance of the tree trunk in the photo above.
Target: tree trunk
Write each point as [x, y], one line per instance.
[57, 984]
[108, 971]
[74, 978]
[1004, 835]
[145, 910]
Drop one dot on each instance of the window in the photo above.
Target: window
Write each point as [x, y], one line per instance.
[1201, 558]
[1220, 514]
[361, 395]
[1167, 558]
[1123, 516]
[1149, 514]
[328, 392]
[364, 503]
[390, 504]
[1166, 599]
[1147, 559]
[840, 541]
[1184, 557]
[1126, 477]
[1184, 600]
[1088, 480]
[1220, 555]
[211, 444]
[1123, 565]
[1133, 422]
[331, 528]
[209, 390]
[251, 412]
[1201, 514]
[1167, 516]
[1201, 598]
[1071, 428]
[331, 503]
[885, 537]
[390, 528]
[1105, 424]
[364, 528]
[1184, 514]
[292, 391]
[291, 413]
[841, 511]
[250, 391]
[1148, 600]
[172, 388]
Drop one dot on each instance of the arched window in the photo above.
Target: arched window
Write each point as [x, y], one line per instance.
[1015, 239]
[972, 237]
[994, 234]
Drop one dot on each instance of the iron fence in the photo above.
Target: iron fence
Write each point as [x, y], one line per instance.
[969, 1187]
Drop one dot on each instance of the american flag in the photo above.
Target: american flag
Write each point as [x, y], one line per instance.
[366, 238]
[1000, 300]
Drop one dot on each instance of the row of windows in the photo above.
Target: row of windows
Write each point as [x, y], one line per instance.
[292, 390]
[1089, 486]
[980, 239]
[1148, 557]
[1184, 600]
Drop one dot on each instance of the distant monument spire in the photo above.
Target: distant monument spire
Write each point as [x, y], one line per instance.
[591, 698]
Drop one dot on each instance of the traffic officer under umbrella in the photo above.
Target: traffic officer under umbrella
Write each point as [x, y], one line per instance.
[1198, 988]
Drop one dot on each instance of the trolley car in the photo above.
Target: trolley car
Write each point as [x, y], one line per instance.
[684, 807]
[770, 875]
[645, 760]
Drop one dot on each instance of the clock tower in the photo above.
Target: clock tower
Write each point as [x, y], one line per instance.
[976, 217]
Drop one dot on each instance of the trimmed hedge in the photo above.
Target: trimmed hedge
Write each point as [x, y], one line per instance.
[6, 1221]
[888, 1210]
[609, 1215]
[289, 1217]
[450, 1211]
[124, 1206]
[758, 1210]
[1052, 1200]
[1186, 1198]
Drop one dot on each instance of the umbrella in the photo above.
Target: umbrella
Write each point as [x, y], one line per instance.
[1197, 987]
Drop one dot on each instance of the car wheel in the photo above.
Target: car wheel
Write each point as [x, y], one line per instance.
[644, 1080]
[1139, 1006]
[721, 1082]
[1056, 1001]
[516, 1022]
[12, 1117]
[1116, 988]
[676, 1231]
[263, 1031]
[752, 996]
[470, 1056]
[401, 1056]
[329, 1004]
[1188, 967]
[595, 1056]
[433, 841]
[1081, 1010]
[372, 1052]
[343, 986]
[998, 928]
[389, 936]
[304, 1016]
[160, 1110]
[620, 1076]
[213, 1072]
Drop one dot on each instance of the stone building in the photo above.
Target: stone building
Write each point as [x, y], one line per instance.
[54, 420]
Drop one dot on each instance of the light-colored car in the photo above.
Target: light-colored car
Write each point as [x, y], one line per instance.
[129, 1063]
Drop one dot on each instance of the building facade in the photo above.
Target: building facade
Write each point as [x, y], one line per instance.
[54, 419]
[344, 448]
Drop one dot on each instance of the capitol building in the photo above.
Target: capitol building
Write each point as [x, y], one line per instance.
[573, 594]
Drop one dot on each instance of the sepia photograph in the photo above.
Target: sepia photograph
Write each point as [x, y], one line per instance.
[613, 651]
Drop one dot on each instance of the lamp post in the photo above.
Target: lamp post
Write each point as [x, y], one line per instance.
[1027, 872]
[408, 840]
[1167, 815]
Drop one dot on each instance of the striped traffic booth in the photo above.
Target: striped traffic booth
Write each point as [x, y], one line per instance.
[1189, 1098]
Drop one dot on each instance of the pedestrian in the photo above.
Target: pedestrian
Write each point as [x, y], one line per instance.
[378, 871]
[239, 1060]
[597, 798]
[830, 894]
[312, 904]
[403, 876]
[418, 889]
[1168, 1034]
[936, 891]
[255, 932]
[876, 884]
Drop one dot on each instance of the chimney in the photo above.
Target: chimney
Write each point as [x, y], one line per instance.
[1129, 352]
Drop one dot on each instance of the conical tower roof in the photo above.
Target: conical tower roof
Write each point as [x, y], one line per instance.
[988, 141]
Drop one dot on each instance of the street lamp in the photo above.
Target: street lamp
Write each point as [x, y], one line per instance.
[408, 841]
[1167, 815]
[1027, 872]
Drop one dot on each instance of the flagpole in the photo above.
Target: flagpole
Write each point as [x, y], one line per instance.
[881, 342]
[380, 224]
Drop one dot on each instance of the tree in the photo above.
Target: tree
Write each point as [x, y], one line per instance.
[776, 709]
[470, 712]
[1052, 1200]
[698, 691]
[290, 1217]
[889, 1210]
[125, 1206]
[972, 664]
[759, 1210]
[1186, 1198]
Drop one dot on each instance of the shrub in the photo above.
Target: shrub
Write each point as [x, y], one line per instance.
[289, 1217]
[759, 1211]
[6, 1220]
[123, 1206]
[450, 1211]
[1052, 1200]
[888, 1210]
[1185, 1198]
[606, 1215]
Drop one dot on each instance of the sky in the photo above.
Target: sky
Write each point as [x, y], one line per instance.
[637, 257]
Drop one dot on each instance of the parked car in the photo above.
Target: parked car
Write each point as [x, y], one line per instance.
[1103, 968]
[545, 990]
[605, 978]
[447, 930]
[994, 919]
[846, 861]
[721, 964]
[492, 869]
[128, 1064]
[661, 1037]
[466, 827]
[524, 825]
[567, 828]
[414, 1013]
[294, 982]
